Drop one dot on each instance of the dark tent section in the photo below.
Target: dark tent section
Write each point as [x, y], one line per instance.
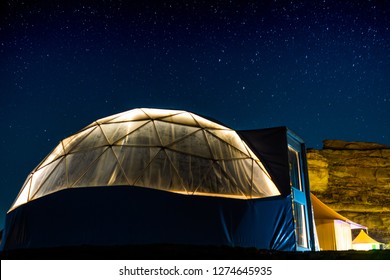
[271, 146]
[283, 154]
[117, 215]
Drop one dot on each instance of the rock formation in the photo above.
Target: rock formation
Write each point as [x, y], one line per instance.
[353, 178]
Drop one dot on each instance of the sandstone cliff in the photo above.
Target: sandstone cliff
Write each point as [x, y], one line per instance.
[353, 178]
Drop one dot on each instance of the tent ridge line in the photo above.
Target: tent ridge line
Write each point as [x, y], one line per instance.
[119, 139]
[44, 181]
[146, 167]
[184, 137]
[87, 133]
[174, 167]
[230, 145]
[120, 165]
[203, 178]
[88, 168]
[228, 176]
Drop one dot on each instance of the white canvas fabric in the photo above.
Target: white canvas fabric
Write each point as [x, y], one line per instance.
[169, 150]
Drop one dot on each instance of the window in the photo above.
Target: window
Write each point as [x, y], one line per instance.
[300, 224]
[295, 169]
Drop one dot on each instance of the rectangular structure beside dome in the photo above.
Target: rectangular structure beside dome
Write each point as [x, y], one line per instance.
[283, 154]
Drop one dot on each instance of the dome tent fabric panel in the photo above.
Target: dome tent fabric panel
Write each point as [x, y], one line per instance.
[102, 153]
[115, 132]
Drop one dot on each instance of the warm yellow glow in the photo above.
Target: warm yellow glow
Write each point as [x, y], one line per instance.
[365, 242]
[182, 118]
[235, 196]
[23, 195]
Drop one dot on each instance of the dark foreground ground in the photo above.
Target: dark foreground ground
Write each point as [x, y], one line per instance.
[165, 252]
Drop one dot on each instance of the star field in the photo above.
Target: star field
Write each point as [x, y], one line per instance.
[321, 68]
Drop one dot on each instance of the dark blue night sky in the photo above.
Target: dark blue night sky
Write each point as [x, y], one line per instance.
[322, 68]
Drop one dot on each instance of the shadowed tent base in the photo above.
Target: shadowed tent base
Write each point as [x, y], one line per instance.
[116, 216]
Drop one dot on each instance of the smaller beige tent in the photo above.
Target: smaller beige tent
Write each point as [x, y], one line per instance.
[364, 242]
[334, 231]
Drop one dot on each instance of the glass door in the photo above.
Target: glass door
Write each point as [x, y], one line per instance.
[297, 185]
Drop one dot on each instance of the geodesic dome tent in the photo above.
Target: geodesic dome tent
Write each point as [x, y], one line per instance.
[168, 150]
[151, 176]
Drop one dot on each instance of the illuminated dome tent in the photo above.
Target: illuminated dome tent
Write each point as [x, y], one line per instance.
[151, 176]
[160, 149]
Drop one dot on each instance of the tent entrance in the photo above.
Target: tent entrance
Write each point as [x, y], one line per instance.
[298, 185]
